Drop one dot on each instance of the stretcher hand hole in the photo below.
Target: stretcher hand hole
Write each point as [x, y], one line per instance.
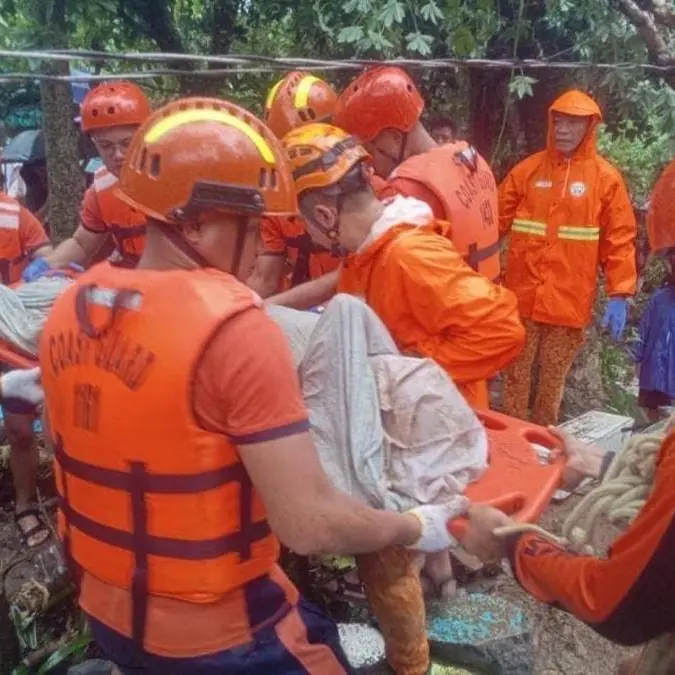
[525, 465]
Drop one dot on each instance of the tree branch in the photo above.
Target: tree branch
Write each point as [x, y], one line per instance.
[657, 47]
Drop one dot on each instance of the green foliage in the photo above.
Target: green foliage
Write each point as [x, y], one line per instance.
[521, 86]
[640, 152]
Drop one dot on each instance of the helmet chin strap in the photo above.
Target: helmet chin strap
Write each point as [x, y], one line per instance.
[397, 159]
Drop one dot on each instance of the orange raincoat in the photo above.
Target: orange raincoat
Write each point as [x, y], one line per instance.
[567, 216]
[435, 305]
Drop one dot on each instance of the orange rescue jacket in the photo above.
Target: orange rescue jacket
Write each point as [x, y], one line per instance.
[566, 217]
[13, 258]
[435, 305]
[125, 224]
[149, 501]
[461, 180]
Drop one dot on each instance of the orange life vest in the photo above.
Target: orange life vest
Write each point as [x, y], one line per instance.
[463, 183]
[125, 224]
[149, 501]
[13, 258]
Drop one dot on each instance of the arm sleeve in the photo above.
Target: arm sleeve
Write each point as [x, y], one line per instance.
[617, 240]
[627, 597]
[272, 237]
[473, 325]
[246, 386]
[411, 188]
[90, 213]
[31, 232]
[509, 195]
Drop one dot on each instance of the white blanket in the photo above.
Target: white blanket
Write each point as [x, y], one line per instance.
[391, 430]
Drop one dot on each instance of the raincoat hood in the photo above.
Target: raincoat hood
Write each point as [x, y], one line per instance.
[576, 103]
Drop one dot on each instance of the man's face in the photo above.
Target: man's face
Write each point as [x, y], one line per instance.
[112, 145]
[385, 151]
[216, 240]
[443, 135]
[569, 131]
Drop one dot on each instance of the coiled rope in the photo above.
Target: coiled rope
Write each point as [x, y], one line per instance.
[618, 499]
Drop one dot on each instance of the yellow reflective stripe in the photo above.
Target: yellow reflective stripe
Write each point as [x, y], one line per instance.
[579, 233]
[189, 116]
[301, 98]
[272, 95]
[580, 237]
[529, 227]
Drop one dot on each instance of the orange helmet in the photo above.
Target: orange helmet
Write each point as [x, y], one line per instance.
[321, 156]
[298, 99]
[380, 98]
[661, 214]
[198, 154]
[115, 104]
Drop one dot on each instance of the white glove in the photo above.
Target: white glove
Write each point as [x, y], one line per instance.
[435, 519]
[23, 384]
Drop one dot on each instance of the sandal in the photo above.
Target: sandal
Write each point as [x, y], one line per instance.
[33, 535]
[346, 588]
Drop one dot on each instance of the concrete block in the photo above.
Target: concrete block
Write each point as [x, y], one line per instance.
[481, 631]
[606, 430]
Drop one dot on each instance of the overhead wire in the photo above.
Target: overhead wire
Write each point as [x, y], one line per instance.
[234, 64]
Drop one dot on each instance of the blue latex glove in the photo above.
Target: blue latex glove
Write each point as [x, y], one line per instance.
[615, 317]
[38, 268]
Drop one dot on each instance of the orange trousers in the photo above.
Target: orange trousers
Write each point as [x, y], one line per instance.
[554, 347]
[394, 590]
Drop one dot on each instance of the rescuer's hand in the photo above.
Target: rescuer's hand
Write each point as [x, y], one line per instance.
[22, 384]
[434, 520]
[479, 539]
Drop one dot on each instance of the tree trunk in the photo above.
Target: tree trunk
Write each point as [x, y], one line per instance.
[488, 94]
[65, 176]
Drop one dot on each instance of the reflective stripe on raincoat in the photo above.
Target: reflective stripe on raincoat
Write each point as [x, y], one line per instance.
[566, 218]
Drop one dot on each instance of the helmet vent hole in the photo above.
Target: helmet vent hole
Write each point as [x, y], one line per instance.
[274, 179]
[111, 110]
[199, 105]
[144, 157]
[262, 180]
[155, 165]
[94, 112]
[182, 107]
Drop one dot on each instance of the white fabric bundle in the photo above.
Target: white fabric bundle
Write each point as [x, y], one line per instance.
[391, 430]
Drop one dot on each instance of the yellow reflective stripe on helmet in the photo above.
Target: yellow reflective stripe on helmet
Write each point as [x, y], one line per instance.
[188, 116]
[272, 94]
[579, 233]
[301, 98]
[529, 227]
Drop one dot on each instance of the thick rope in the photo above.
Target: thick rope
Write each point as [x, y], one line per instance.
[618, 499]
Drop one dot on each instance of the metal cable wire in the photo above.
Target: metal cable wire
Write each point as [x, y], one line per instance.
[234, 64]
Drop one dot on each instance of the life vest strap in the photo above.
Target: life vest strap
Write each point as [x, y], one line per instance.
[477, 255]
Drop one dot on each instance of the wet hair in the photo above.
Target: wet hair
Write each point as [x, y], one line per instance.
[440, 122]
